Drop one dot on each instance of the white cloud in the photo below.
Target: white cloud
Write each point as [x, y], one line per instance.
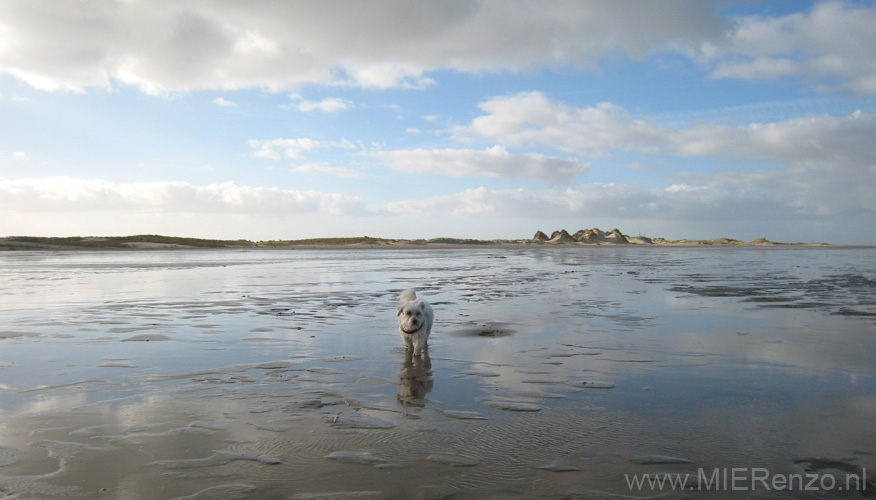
[742, 205]
[290, 148]
[611, 200]
[831, 45]
[719, 204]
[493, 162]
[329, 105]
[274, 149]
[760, 68]
[19, 155]
[820, 161]
[164, 46]
[528, 119]
[68, 195]
[323, 169]
[828, 162]
[220, 101]
[532, 119]
[840, 140]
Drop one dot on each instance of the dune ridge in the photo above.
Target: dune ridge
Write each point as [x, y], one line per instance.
[583, 237]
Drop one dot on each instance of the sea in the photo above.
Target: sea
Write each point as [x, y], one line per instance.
[566, 372]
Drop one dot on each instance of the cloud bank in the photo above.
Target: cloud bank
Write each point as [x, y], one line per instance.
[67, 194]
[492, 162]
[831, 46]
[164, 46]
[734, 205]
[821, 163]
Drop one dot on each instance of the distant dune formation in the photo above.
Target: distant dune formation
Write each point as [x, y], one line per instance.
[583, 237]
[594, 235]
[597, 236]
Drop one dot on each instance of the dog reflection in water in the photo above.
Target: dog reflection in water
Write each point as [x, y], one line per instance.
[414, 380]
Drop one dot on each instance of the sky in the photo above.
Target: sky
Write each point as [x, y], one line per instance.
[271, 119]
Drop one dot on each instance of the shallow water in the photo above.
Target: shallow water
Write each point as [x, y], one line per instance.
[552, 372]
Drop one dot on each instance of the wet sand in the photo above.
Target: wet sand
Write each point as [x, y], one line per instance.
[552, 373]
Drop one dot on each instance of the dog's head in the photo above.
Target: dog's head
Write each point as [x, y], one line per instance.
[411, 316]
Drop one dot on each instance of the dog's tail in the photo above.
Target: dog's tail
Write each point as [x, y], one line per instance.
[407, 296]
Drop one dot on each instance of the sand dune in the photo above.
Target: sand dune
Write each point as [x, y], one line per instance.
[594, 236]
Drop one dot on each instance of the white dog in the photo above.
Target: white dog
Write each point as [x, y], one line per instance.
[415, 317]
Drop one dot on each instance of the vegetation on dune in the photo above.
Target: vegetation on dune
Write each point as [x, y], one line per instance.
[328, 241]
[116, 242]
[458, 241]
[62, 242]
[181, 241]
[155, 241]
[159, 241]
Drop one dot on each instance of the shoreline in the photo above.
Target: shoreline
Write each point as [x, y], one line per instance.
[155, 242]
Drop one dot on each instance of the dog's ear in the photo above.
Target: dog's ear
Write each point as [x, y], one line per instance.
[399, 311]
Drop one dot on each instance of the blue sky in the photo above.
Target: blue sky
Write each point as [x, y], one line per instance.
[472, 119]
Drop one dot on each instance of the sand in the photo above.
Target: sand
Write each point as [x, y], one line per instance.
[552, 373]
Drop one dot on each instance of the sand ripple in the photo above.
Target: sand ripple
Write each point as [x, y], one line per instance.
[219, 458]
[222, 492]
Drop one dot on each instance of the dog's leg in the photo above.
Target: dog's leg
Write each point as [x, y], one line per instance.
[408, 341]
[423, 338]
[419, 346]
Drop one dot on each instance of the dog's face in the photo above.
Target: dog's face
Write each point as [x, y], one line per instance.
[411, 316]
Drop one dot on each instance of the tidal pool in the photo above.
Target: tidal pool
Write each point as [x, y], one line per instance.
[552, 373]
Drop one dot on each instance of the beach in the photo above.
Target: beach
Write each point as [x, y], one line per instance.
[554, 371]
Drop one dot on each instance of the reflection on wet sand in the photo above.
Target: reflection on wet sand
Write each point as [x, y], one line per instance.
[280, 376]
[415, 380]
